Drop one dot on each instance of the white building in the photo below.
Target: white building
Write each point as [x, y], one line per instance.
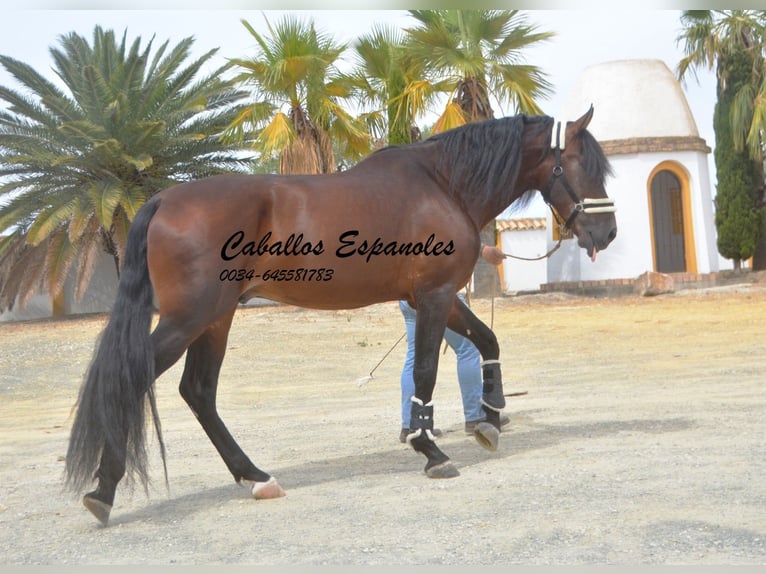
[661, 183]
[98, 297]
[523, 237]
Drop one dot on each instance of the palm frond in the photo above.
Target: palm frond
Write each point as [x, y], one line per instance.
[276, 136]
[294, 69]
[50, 220]
[452, 117]
[77, 162]
[480, 46]
[24, 276]
[86, 261]
[82, 218]
[59, 257]
[104, 197]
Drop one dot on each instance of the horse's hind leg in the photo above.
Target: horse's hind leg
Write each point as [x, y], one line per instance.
[198, 387]
[110, 471]
[462, 320]
[169, 340]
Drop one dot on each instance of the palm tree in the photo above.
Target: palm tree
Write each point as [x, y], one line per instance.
[477, 58]
[77, 162]
[733, 42]
[392, 81]
[297, 113]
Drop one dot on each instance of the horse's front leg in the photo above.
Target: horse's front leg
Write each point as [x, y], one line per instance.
[462, 320]
[432, 310]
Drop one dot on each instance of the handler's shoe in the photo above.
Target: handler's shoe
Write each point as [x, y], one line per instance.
[403, 435]
[470, 426]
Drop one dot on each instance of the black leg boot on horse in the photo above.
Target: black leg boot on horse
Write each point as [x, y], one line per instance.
[422, 439]
[430, 322]
[462, 320]
[487, 432]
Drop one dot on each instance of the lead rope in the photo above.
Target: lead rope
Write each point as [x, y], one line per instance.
[562, 228]
[551, 252]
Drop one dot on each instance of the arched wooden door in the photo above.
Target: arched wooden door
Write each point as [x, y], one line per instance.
[668, 222]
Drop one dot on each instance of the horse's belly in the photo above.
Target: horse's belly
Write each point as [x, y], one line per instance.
[334, 284]
[326, 286]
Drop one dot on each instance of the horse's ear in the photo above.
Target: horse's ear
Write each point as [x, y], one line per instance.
[582, 123]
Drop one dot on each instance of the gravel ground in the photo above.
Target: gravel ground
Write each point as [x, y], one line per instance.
[640, 440]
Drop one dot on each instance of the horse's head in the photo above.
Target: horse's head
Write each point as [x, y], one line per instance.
[575, 171]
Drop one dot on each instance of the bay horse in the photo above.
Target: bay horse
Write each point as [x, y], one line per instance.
[402, 224]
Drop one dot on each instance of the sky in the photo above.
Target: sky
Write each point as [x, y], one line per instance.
[584, 37]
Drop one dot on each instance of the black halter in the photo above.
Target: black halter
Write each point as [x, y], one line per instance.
[587, 205]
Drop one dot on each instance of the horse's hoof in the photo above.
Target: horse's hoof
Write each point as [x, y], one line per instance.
[443, 470]
[268, 489]
[98, 508]
[487, 435]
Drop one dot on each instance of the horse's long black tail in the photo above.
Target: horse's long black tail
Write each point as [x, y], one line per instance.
[119, 383]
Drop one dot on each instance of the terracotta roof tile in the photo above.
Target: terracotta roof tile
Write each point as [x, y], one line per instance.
[522, 224]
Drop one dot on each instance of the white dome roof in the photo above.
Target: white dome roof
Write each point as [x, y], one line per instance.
[631, 99]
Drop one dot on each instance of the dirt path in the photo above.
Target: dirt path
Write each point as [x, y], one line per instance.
[640, 441]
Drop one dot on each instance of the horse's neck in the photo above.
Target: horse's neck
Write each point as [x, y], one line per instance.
[485, 211]
[492, 212]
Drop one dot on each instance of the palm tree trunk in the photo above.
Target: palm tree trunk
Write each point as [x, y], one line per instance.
[759, 255]
[311, 152]
[486, 282]
[110, 247]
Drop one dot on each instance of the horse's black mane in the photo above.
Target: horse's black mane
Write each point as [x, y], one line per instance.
[594, 161]
[483, 158]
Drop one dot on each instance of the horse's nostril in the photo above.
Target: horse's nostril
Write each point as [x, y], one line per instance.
[612, 234]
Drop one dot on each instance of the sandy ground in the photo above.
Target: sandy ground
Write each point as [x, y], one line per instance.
[640, 441]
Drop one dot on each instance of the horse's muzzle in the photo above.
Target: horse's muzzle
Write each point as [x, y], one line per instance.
[596, 237]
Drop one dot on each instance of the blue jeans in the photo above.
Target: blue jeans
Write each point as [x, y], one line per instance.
[468, 369]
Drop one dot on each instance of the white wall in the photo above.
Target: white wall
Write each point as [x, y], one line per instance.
[100, 294]
[98, 297]
[705, 235]
[524, 275]
[39, 306]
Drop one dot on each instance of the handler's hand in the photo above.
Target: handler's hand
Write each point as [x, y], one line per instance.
[492, 255]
